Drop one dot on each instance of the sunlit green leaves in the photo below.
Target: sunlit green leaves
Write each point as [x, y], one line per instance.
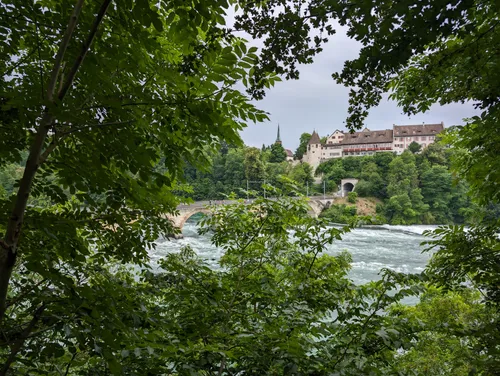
[156, 89]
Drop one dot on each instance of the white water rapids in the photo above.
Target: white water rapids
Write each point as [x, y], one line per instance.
[372, 248]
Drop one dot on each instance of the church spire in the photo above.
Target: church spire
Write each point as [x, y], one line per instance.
[278, 139]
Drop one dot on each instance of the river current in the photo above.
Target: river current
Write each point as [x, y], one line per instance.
[372, 248]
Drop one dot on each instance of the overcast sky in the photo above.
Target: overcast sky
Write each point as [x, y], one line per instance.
[316, 102]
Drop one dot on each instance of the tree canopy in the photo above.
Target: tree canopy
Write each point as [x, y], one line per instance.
[104, 104]
[302, 148]
[101, 94]
[278, 153]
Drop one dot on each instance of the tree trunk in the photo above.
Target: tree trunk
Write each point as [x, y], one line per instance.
[8, 246]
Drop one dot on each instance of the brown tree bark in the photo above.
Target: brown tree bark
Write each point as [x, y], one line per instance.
[9, 245]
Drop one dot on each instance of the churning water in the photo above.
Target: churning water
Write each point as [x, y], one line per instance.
[372, 248]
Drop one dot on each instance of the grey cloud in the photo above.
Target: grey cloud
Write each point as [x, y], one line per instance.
[315, 101]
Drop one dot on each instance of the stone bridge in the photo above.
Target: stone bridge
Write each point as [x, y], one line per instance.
[316, 205]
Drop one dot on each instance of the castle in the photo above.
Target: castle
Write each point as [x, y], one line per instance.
[340, 144]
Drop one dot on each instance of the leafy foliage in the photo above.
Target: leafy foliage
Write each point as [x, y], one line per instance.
[424, 65]
[352, 197]
[442, 348]
[115, 100]
[302, 148]
[278, 153]
[340, 213]
[278, 305]
[111, 99]
[302, 173]
[405, 204]
[417, 188]
[414, 147]
[230, 171]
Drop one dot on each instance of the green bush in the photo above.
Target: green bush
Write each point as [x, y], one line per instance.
[364, 189]
[350, 210]
[352, 197]
[340, 213]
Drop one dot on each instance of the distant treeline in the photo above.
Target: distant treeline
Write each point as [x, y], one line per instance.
[234, 169]
[414, 188]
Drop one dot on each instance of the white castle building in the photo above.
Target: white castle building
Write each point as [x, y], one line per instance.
[342, 144]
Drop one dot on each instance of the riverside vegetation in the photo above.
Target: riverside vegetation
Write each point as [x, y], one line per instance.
[107, 102]
[416, 187]
[413, 188]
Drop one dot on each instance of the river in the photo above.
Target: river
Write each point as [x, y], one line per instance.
[372, 248]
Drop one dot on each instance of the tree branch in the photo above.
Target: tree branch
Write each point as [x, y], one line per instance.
[21, 296]
[97, 125]
[69, 364]
[365, 323]
[19, 343]
[39, 56]
[56, 140]
[85, 49]
[64, 87]
[8, 251]
[63, 47]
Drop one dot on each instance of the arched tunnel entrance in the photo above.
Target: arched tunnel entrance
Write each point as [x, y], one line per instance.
[347, 185]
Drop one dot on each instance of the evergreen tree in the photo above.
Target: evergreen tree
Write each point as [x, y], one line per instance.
[278, 153]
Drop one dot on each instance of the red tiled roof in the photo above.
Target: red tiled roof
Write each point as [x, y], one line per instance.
[419, 129]
[367, 137]
[289, 153]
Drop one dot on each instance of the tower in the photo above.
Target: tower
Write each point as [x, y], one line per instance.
[278, 139]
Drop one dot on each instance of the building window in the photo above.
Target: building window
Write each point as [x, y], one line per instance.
[423, 138]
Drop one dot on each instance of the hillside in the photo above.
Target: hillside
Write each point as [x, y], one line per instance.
[364, 205]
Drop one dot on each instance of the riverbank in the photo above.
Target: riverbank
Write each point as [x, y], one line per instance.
[343, 211]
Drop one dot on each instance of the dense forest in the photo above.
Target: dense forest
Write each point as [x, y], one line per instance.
[414, 188]
[234, 170]
[110, 110]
